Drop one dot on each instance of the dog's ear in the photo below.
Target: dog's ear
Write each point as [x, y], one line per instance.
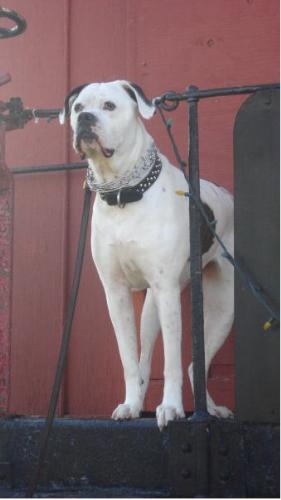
[69, 100]
[145, 106]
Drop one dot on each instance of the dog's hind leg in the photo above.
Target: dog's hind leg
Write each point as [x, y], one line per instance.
[218, 318]
[150, 327]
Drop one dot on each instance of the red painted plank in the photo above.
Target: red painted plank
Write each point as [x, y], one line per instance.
[35, 60]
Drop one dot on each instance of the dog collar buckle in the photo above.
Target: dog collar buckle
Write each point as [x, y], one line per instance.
[119, 203]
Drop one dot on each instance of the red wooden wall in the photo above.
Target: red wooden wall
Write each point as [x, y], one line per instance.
[162, 45]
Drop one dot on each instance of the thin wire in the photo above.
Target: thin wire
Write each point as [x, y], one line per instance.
[253, 287]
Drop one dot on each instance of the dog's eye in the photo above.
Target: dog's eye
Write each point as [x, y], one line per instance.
[109, 106]
[78, 107]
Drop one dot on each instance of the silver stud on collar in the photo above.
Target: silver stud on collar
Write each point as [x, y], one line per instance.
[148, 165]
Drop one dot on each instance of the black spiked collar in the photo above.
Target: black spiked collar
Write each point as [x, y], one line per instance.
[124, 194]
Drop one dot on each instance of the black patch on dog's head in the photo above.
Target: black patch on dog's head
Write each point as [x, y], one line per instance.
[207, 238]
[140, 92]
[71, 97]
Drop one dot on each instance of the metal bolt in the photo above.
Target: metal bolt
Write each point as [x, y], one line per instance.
[186, 448]
[224, 476]
[186, 474]
[223, 450]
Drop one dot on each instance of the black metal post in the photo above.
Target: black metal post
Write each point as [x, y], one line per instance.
[197, 322]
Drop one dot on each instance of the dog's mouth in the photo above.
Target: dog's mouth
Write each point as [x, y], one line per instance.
[86, 137]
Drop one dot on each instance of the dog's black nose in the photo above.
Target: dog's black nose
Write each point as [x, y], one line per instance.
[87, 118]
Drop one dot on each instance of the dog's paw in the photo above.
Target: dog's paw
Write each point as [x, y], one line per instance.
[125, 412]
[220, 411]
[165, 414]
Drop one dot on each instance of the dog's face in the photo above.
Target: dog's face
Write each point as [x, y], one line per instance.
[104, 116]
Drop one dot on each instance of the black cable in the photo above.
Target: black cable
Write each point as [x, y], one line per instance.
[64, 346]
[255, 288]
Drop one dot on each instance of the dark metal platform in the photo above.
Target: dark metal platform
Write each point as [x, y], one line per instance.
[104, 458]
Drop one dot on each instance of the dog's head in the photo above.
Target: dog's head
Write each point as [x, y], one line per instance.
[105, 116]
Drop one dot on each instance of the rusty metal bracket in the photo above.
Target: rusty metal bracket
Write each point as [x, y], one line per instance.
[6, 238]
[13, 114]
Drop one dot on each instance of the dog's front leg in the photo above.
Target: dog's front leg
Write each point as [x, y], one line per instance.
[169, 308]
[121, 310]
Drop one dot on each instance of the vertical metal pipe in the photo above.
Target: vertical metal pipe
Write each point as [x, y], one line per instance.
[198, 348]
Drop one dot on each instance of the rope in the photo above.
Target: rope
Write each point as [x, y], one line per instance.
[254, 287]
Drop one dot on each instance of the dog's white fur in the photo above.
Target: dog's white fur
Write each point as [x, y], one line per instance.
[144, 246]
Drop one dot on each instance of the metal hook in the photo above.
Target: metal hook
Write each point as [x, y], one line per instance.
[169, 101]
[20, 26]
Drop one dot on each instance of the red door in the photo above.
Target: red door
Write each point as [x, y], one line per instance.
[161, 45]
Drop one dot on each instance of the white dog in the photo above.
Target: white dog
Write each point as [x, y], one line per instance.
[140, 234]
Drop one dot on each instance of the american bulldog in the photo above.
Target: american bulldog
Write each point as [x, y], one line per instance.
[139, 241]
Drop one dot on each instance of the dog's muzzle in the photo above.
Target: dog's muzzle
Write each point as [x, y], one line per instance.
[85, 133]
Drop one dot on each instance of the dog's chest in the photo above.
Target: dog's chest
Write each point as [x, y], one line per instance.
[120, 243]
[132, 263]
